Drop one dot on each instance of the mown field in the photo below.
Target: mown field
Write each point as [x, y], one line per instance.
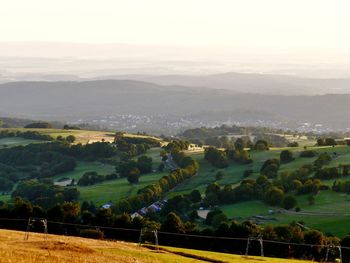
[82, 136]
[56, 249]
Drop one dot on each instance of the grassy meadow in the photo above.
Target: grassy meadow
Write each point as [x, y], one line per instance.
[330, 213]
[112, 190]
[66, 249]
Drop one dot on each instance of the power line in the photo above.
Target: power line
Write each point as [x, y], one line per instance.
[178, 234]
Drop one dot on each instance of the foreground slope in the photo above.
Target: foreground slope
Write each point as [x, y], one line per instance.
[73, 249]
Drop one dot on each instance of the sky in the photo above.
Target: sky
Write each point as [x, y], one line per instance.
[245, 35]
[260, 24]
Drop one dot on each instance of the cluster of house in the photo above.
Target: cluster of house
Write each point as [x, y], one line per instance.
[153, 208]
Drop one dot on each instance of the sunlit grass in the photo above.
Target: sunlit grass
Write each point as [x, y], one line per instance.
[56, 249]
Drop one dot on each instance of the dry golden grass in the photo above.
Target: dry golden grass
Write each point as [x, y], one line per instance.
[13, 248]
[54, 249]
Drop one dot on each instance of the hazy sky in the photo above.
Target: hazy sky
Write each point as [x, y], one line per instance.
[260, 24]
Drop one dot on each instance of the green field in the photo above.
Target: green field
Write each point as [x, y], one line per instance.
[234, 172]
[330, 213]
[83, 167]
[100, 193]
[107, 191]
[113, 190]
[154, 153]
[5, 197]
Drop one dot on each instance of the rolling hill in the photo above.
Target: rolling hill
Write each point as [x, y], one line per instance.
[160, 105]
[253, 83]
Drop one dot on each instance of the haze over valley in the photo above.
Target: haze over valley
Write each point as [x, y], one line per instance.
[143, 106]
[168, 88]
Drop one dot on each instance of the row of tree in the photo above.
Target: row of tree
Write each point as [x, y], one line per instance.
[44, 193]
[34, 135]
[88, 214]
[133, 169]
[91, 178]
[220, 159]
[151, 193]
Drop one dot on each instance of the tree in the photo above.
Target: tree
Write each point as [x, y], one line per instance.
[212, 188]
[22, 209]
[161, 167]
[286, 156]
[248, 172]
[330, 142]
[239, 144]
[308, 153]
[210, 216]
[193, 215]
[289, 202]
[195, 196]
[316, 238]
[41, 125]
[70, 211]
[218, 219]
[261, 145]
[216, 157]
[173, 224]
[274, 196]
[320, 142]
[178, 204]
[124, 168]
[270, 168]
[219, 175]
[323, 159]
[293, 144]
[311, 200]
[144, 164]
[70, 138]
[133, 176]
[5, 184]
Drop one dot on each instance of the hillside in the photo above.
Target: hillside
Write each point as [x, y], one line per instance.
[141, 106]
[73, 249]
[329, 213]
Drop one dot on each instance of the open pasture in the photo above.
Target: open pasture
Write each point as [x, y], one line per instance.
[75, 249]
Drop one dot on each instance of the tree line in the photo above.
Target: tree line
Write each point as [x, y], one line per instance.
[88, 214]
[145, 196]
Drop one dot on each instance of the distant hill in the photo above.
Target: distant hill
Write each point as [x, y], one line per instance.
[104, 98]
[251, 83]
